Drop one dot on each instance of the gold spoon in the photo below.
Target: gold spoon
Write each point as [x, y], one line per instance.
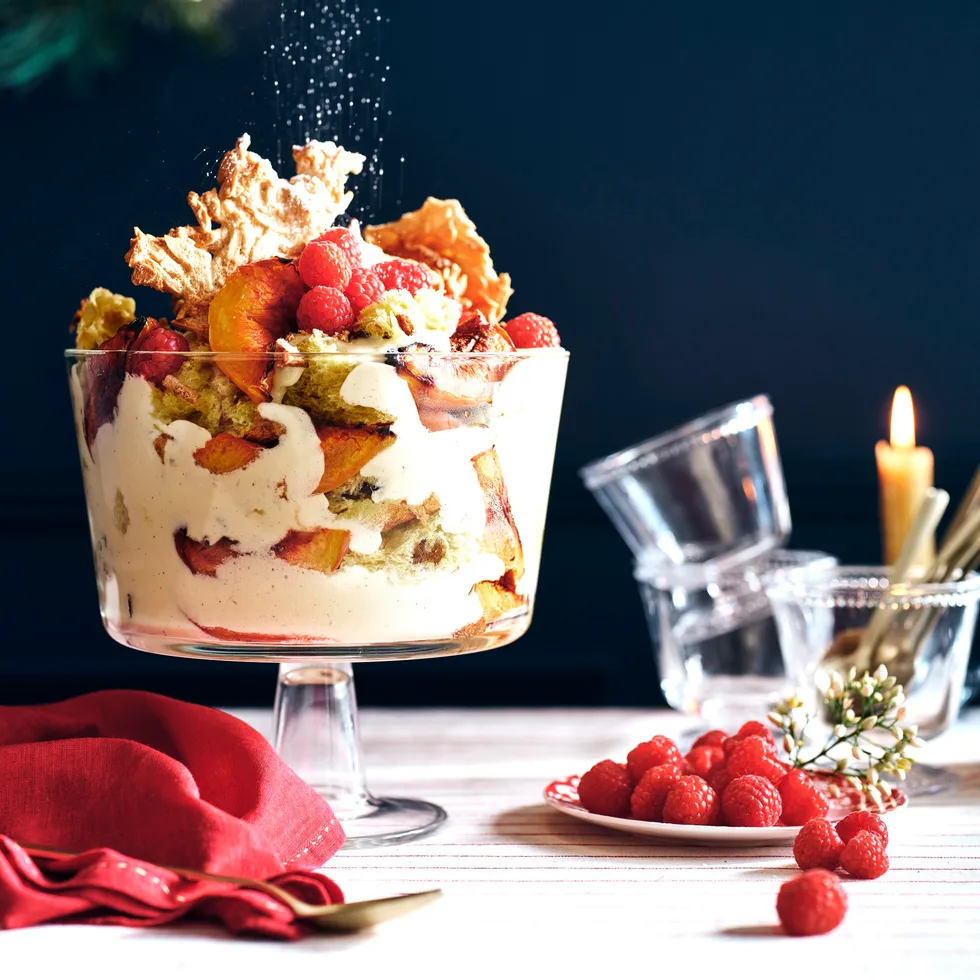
[342, 917]
[858, 648]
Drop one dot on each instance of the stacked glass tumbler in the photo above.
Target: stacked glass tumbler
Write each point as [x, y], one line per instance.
[705, 513]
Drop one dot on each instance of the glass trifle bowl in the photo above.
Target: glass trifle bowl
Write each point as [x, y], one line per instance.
[416, 535]
[336, 450]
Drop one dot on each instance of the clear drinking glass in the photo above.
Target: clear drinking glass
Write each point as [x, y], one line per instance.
[718, 653]
[711, 490]
[283, 532]
[928, 629]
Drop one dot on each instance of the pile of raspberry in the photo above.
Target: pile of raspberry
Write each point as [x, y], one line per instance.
[724, 780]
[740, 781]
[339, 286]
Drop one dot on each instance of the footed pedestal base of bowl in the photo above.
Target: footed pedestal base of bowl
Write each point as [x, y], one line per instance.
[316, 734]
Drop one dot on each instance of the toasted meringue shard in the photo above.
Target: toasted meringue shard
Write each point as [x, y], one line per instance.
[444, 237]
[253, 214]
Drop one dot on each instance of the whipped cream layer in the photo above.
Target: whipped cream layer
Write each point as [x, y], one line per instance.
[139, 495]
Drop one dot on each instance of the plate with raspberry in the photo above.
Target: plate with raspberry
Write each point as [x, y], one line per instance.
[727, 790]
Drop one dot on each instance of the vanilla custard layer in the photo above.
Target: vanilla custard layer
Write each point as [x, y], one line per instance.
[137, 502]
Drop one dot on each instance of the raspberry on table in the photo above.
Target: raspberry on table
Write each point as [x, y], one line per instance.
[715, 737]
[324, 264]
[156, 353]
[811, 904]
[364, 289]
[703, 758]
[802, 799]
[403, 274]
[344, 238]
[532, 330]
[606, 789]
[691, 801]
[658, 751]
[860, 820]
[864, 855]
[324, 308]
[751, 801]
[647, 801]
[817, 845]
[752, 756]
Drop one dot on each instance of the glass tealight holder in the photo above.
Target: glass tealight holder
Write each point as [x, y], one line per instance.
[926, 633]
[709, 491]
[718, 652]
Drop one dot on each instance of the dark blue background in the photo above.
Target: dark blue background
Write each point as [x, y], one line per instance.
[711, 201]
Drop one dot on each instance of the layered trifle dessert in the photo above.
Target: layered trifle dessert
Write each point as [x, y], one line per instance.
[332, 436]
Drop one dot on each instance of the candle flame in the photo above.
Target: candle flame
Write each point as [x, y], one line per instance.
[903, 420]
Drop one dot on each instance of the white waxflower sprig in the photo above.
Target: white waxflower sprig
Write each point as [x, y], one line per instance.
[867, 717]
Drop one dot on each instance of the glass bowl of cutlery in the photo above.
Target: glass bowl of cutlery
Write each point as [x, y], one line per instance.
[835, 619]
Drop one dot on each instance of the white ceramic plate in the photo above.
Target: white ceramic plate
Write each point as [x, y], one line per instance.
[562, 794]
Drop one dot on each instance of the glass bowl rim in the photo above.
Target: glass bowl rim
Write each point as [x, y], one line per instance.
[817, 585]
[741, 415]
[666, 575]
[525, 353]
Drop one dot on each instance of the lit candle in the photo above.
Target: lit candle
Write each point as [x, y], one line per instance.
[905, 472]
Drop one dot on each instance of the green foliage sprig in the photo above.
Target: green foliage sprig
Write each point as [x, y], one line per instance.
[868, 738]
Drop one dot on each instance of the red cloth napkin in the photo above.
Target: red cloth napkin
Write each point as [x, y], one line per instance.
[143, 780]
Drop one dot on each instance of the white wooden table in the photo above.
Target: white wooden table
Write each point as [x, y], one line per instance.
[530, 891]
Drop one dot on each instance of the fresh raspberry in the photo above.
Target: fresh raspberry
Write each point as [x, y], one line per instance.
[715, 737]
[817, 845]
[659, 751]
[606, 789]
[802, 799]
[647, 801]
[860, 820]
[812, 903]
[324, 264]
[402, 274]
[324, 308]
[751, 801]
[864, 855]
[756, 728]
[343, 238]
[691, 801]
[703, 759]
[156, 353]
[531, 330]
[719, 778]
[364, 289]
[752, 756]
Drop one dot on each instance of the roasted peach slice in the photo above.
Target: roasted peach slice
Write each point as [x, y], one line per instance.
[203, 558]
[345, 450]
[233, 636]
[501, 532]
[499, 598]
[225, 453]
[104, 374]
[252, 310]
[449, 390]
[321, 550]
[475, 334]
